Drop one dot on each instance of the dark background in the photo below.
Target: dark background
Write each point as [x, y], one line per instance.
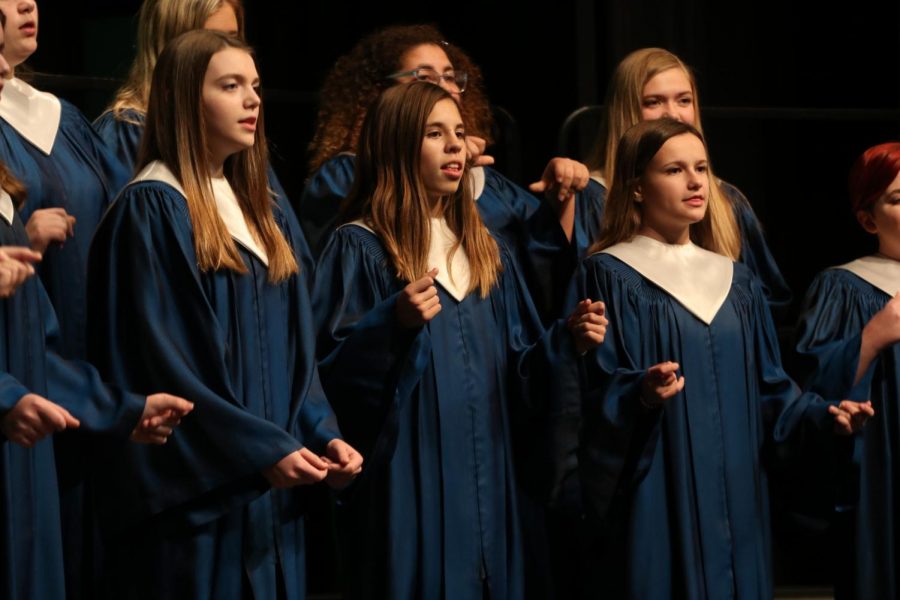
[791, 94]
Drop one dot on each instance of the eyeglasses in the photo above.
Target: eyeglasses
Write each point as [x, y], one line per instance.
[453, 79]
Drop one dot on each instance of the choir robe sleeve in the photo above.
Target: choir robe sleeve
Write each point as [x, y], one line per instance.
[756, 255]
[321, 199]
[122, 133]
[369, 363]
[153, 328]
[588, 217]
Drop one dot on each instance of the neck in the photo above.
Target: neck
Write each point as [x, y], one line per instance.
[888, 251]
[666, 236]
[437, 207]
[217, 168]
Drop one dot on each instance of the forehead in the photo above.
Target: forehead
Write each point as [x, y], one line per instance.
[445, 111]
[686, 147]
[231, 61]
[425, 55]
[223, 19]
[673, 80]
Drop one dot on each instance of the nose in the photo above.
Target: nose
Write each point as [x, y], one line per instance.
[454, 144]
[26, 7]
[695, 179]
[252, 99]
[670, 110]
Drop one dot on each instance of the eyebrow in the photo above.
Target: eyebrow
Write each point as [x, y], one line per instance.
[442, 124]
[237, 76]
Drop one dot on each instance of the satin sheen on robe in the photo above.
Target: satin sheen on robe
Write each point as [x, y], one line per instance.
[755, 251]
[434, 410]
[195, 518]
[525, 223]
[679, 494]
[123, 133]
[31, 559]
[838, 305]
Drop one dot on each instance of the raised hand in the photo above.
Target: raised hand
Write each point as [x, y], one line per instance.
[660, 383]
[301, 467]
[850, 416]
[561, 179]
[419, 302]
[475, 147]
[33, 418]
[162, 413]
[344, 464]
[588, 324]
[48, 225]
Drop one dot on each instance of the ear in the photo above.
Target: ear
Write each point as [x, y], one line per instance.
[637, 193]
[867, 221]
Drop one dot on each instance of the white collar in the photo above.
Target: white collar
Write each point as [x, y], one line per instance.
[596, 176]
[454, 276]
[698, 279]
[226, 203]
[880, 271]
[7, 210]
[476, 182]
[34, 114]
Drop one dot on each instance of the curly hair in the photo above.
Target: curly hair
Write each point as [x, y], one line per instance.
[360, 76]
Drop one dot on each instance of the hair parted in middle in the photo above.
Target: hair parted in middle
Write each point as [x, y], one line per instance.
[622, 216]
[872, 173]
[175, 134]
[359, 77]
[389, 195]
[159, 22]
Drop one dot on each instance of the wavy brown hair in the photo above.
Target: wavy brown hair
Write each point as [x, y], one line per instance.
[175, 134]
[622, 215]
[159, 22]
[361, 75]
[389, 196]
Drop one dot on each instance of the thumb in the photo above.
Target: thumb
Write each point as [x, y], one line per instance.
[177, 405]
[538, 186]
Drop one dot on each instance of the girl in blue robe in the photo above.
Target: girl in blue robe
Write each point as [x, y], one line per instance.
[432, 354]
[197, 284]
[686, 400]
[528, 225]
[160, 21]
[847, 340]
[666, 87]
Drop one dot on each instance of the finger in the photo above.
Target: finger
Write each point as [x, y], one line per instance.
[423, 283]
[424, 296]
[538, 186]
[52, 418]
[598, 307]
[313, 459]
[484, 160]
[22, 253]
[339, 452]
[432, 312]
[164, 404]
[306, 473]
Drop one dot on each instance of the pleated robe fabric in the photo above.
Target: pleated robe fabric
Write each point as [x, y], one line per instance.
[837, 307]
[678, 495]
[195, 518]
[436, 410]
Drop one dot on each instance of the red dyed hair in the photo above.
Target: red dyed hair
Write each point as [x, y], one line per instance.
[872, 173]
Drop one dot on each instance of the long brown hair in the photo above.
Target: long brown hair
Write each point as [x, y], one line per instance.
[622, 215]
[159, 22]
[361, 75]
[8, 181]
[175, 134]
[388, 193]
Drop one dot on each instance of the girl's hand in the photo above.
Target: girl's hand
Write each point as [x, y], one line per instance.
[660, 383]
[15, 267]
[48, 225]
[301, 467]
[162, 413]
[344, 464]
[561, 179]
[850, 416]
[419, 302]
[33, 418]
[588, 324]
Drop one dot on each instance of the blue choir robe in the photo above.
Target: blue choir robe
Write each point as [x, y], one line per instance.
[195, 518]
[122, 133]
[63, 163]
[436, 411]
[755, 251]
[524, 222]
[680, 492]
[837, 307]
[31, 551]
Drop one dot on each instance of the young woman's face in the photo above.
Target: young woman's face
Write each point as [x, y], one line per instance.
[883, 220]
[230, 102]
[21, 30]
[673, 192]
[443, 152]
[428, 56]
[223, 20]
[668, 94]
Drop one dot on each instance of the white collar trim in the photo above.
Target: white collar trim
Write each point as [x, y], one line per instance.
[7, 210]
[698, 279]
[596, 176]
[880, 271]
[32, 113]
[453, 275]
[476, 182]
[226, 203]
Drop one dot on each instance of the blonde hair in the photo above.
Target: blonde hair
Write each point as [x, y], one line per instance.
[622, 216]
[175, 134]
[623, 110]
[389, 195]
[159, 22]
